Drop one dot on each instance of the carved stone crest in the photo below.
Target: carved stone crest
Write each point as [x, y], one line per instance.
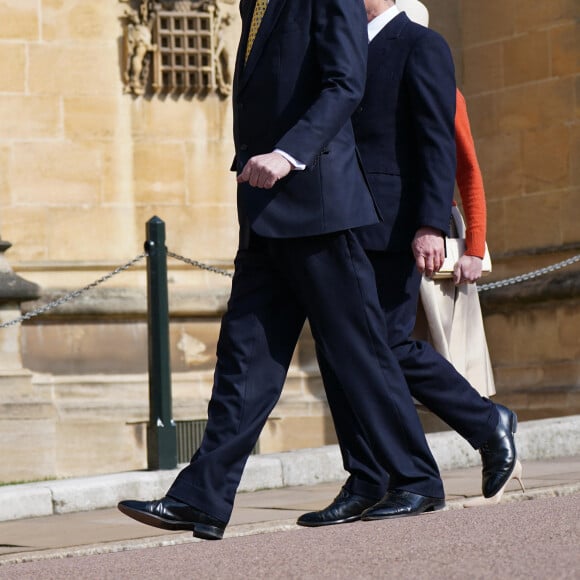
[176, 46]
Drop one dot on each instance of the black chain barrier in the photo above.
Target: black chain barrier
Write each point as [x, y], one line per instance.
[72, 295]
[529, 275]
[200, 265]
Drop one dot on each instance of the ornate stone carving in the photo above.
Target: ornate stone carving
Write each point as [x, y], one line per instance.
[138, 45]
[176, 46]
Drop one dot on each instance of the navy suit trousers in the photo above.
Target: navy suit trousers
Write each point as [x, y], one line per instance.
[277, 284]
[432, 380]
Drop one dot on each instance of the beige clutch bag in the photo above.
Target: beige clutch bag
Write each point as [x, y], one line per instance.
[454, 249]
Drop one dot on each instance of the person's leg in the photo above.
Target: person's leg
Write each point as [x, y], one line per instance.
[432, 380]
[367, 477]
[258, 335]
[368, 480]
[335, 281]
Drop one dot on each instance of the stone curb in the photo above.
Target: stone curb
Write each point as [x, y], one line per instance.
[543, 439]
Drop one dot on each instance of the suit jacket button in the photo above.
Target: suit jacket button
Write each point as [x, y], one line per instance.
[243, 147]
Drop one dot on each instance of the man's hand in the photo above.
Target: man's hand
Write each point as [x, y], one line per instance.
[265, 170]
[429, 250]
[467, 269]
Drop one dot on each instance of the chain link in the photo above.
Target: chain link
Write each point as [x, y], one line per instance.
[529, 275]
[200, 265]
[72, 295]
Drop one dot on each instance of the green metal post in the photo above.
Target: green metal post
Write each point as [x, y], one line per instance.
[161, 432]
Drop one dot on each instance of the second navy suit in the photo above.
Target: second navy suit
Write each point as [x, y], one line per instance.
[404, 129]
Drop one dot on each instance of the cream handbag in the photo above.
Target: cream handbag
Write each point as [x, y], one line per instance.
[455, 248]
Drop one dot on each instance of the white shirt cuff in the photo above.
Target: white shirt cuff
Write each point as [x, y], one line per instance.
[297, 166]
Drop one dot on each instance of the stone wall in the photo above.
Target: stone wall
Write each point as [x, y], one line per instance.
[534, 332]
[84, 165]
[518, 66]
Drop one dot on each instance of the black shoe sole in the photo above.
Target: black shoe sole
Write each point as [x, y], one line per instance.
[199, 530]
[330, 522]
[430, 509]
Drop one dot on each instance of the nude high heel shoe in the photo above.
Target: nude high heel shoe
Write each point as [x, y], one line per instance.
[495, 499]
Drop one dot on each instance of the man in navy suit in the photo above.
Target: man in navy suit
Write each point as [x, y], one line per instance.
[404, 129]
[300, 190]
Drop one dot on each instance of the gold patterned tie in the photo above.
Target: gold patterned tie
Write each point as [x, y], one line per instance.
[259, 11]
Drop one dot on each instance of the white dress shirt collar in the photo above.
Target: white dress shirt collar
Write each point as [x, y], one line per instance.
[378, 23]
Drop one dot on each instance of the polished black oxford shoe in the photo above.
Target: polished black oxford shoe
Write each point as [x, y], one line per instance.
[170, 514]
[346, 507]
[498, 454]
[399, 503]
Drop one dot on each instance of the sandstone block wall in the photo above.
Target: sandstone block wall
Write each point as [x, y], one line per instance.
[84, 165]
[518, 65]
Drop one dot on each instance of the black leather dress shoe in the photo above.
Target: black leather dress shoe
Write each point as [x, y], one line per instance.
[170, 514]
[498, 454]
[346, 507]
[399, 503]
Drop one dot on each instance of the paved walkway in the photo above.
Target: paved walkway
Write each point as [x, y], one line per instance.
[527, 540]
[106, 531]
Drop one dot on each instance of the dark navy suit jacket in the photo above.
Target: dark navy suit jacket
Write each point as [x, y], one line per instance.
[404, 129]
[319, 65]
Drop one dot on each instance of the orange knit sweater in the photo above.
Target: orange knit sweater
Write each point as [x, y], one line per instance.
[469, 182]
